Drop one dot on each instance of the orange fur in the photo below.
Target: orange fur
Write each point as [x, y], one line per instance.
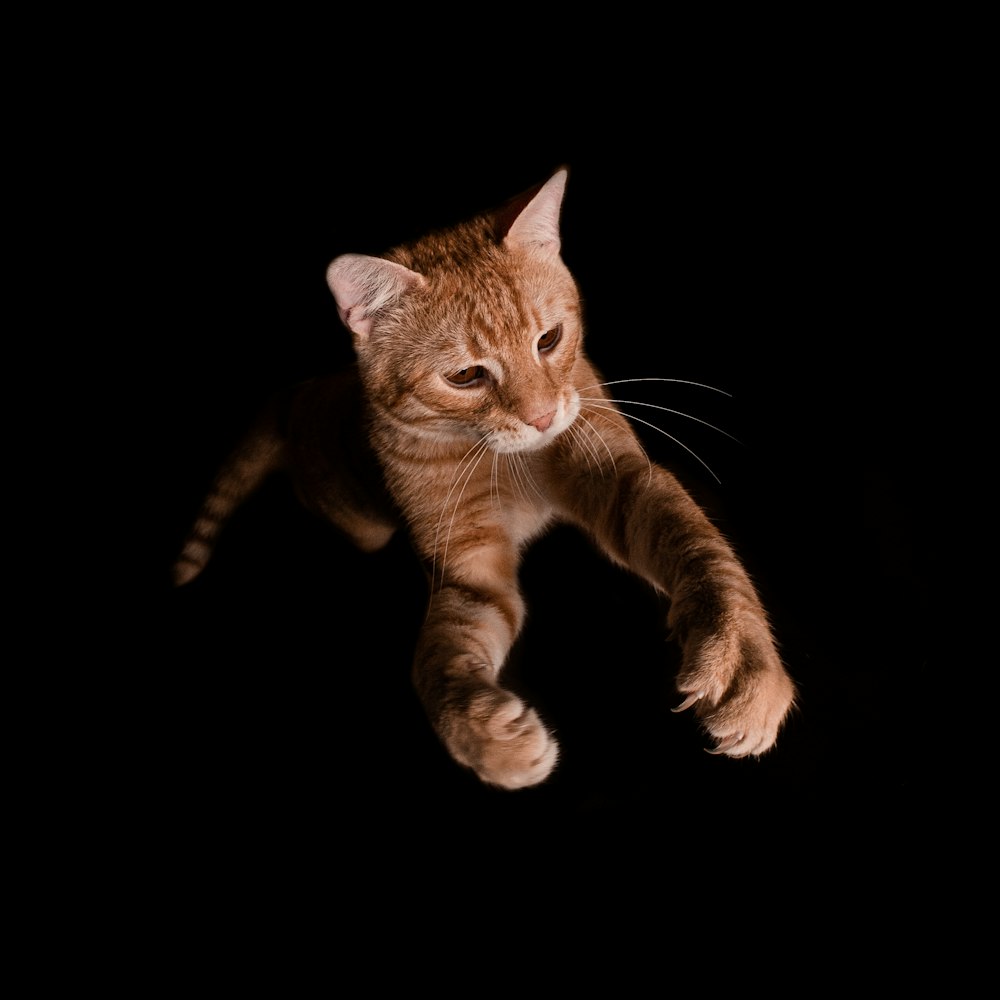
[482, 428]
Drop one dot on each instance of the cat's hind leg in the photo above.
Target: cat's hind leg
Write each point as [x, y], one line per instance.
[333, 468]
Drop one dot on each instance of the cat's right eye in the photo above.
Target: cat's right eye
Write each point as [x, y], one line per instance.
[468, 376]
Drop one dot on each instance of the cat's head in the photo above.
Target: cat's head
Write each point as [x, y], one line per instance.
[472, 332]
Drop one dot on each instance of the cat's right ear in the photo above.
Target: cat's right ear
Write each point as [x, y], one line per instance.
[363, 285]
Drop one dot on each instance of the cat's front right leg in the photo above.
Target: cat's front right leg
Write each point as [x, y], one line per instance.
[463, 644]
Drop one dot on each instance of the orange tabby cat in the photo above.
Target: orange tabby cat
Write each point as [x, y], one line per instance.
[485, 424]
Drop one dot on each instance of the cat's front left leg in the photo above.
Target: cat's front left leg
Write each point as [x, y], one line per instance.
[462, 647]
[731, 673]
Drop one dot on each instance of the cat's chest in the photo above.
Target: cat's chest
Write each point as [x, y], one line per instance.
[510, 495]
[498, 495]
[523, 520]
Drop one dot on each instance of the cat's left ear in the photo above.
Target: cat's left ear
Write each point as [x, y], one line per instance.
[533, 220]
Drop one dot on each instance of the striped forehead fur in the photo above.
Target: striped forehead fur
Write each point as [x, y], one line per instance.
[474, 284]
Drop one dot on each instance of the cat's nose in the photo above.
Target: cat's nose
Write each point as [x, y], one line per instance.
[544, 422]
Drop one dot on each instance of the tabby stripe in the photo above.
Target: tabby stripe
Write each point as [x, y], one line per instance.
[468, 595]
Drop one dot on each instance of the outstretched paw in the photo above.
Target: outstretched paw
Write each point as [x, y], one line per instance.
[741, 700]
[501, 739]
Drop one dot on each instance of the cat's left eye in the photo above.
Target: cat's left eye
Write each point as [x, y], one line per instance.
[549, 339]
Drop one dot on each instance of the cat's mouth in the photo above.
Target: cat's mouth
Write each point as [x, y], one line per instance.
[534, 437]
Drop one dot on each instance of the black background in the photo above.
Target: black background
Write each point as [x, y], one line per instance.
[747, 238]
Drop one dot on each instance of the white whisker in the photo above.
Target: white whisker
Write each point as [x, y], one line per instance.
[514, 475]
[665, 409]
[659, 430]
[466, 467]
[587, 446]
[600, 437]
[522, 478]
[495, 483]
[679, 381]
[526, 468]
[611, 409]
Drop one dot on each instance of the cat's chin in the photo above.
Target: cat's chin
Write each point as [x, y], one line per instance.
[519, 447]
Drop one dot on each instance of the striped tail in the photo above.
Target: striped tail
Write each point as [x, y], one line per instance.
[258, 455]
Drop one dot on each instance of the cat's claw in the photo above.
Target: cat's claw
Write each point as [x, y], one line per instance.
[739, 690]
[728, 745]
[689, 701]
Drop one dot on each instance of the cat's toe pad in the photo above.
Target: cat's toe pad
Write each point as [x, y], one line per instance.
[503, 741]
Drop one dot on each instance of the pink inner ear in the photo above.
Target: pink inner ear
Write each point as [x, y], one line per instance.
[361, 324]
[507, 215]
[363, 285]
[535, 214]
